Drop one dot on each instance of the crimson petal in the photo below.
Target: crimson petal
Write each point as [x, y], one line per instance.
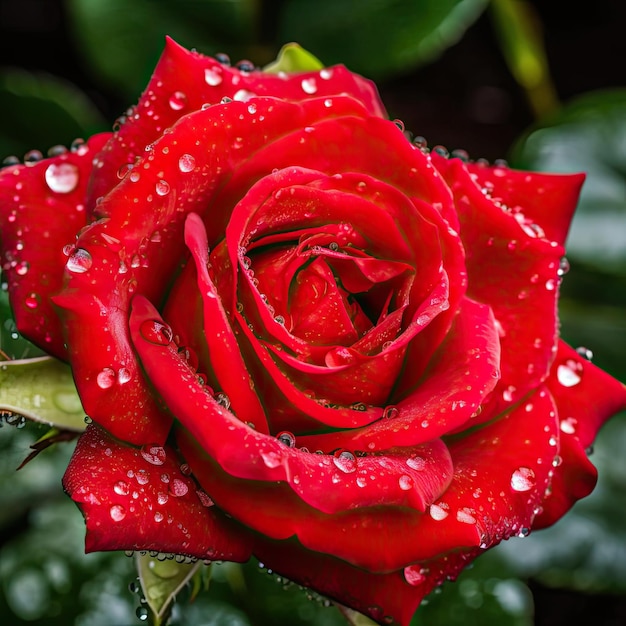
[42, 207]
[139, 499]
[585, 397]
[183, 81]
[521, 285]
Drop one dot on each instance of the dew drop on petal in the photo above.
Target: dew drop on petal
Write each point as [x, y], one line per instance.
[438, 512]
[156, 332]
[286, 438]
[31, 301]
[79, 261]
[121, 488]
[523, 479]
[106, 378]
[309, 86]
[117, 512]
[213, 76]
[345, 461]
[158, 517]
[405, 482]
[568, 425]
[465, 516]
[204, 498]
[271, 459]
[569, 373]
[243, 95]
[178, 487]
[414, 575]
[186, 163]
[62, 177]
[162, 187]
[416, 462]
[123, 376]
[178, 101]
[154, 454]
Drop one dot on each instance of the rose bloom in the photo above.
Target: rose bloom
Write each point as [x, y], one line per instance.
[301, 337]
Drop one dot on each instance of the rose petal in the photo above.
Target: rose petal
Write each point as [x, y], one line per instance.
[585, 397]
[229, 366]
[141, 500]
[521, 285]
[548, 200]
[42, 207]
[183, 81]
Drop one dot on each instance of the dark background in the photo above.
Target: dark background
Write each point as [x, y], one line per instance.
[467, 98]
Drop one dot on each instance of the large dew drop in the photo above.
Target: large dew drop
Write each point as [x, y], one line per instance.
[155, 455]
[523, 479]
[414, 575]
[117, 512]
[79, 262]
[156, 332]
[186, 163]
[569, 373]
[213, 76]
[62, 177]
[345, 461]
[106, 378]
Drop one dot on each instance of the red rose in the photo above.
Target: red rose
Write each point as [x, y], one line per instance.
[301, 337]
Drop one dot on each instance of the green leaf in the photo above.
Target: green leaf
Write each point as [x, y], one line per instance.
[293, 58]
[41, 389]
[588, 135]
[123, 40]
[378, 37]
[41, 110]
[161, 580]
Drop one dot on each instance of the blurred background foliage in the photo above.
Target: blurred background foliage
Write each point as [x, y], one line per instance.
[542, 84]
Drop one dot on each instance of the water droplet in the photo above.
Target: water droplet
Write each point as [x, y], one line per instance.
[31, 301]
[345, 461]
[79, 262]
[123, 376]
[213, 76]
[121, 488]
[162, 187]
[186, 163]
[158, 517]
[178, 488]
[405, 482]
[243, 95]
[162, 497]
[204, 498]
[416, 462]
[32, 157]
[465, 516]
[287, 438]
[117, 512]
[361, 482]
[563, 267]
[178, 101]
[154, 454]
[438, 511]
[142, 613]
[106, 378]
[156, 332]
[252, 109]
[569, 373]
[586, 353]
[568, 425]
[309, 86]
[271, 459]
[523, 479]
[62, 177]
[142, 477]
[414, 575]
[550, 284]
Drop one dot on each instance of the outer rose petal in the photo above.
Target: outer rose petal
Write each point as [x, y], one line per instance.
[140, 500]
[585, 397]
[548, 200]
[184, 80]
[521, 284]
[42, 207]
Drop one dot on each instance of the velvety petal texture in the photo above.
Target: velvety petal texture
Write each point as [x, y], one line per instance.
[301, 337]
